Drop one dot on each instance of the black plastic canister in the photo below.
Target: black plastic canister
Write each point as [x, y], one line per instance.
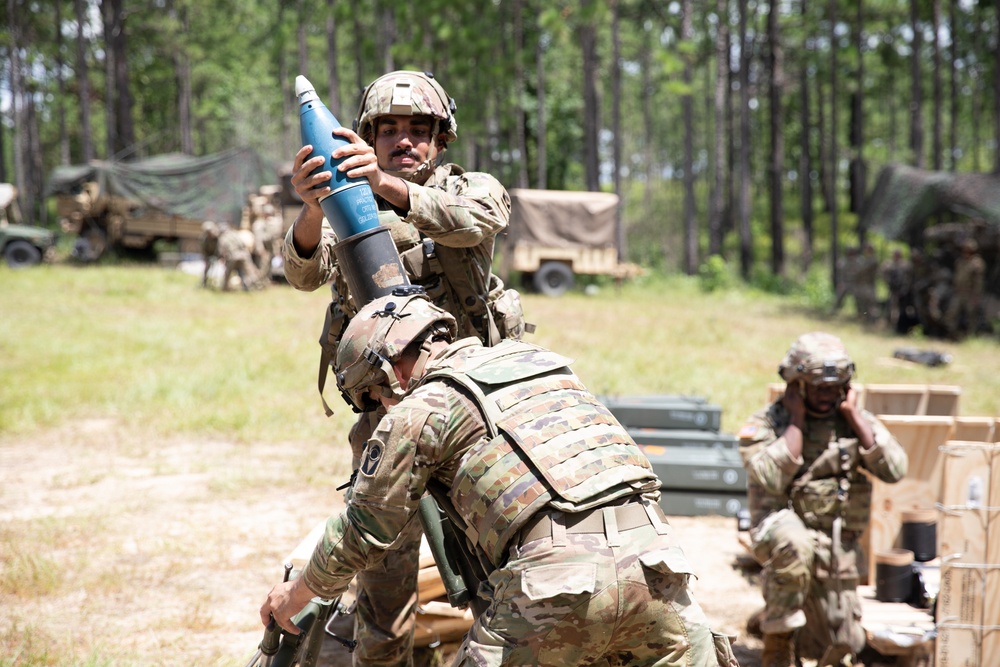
[919, 533]
[894, 575]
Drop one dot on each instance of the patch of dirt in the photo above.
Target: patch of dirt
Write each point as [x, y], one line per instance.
[118, 547]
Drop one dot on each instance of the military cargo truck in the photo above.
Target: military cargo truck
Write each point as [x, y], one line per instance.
[133, 204]
[21, 245]
[555, 235]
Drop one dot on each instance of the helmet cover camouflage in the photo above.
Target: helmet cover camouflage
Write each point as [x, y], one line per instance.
[376, 338]
[406, 93]
[817, 358]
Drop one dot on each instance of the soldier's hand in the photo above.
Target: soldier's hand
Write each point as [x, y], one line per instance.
[795, 402]
[283, 602]
[304, 183]
[850, 402]
[358, 158]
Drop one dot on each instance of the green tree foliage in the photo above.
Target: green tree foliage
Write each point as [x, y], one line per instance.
[243, 56]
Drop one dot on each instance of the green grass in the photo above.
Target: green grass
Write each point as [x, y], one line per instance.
[168, 446]
[148, 347]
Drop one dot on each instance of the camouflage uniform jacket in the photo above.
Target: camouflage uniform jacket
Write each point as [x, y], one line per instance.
[898, 276]
[460, 213]
[209, 246]
[827, 480]
[499, 453]
[970, 272]
[232, 247]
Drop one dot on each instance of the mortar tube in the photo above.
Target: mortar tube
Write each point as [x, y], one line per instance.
[371, 265]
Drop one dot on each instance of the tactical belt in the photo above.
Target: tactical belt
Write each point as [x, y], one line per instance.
[627, 517]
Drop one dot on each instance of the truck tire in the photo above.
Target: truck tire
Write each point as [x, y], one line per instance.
[20, 254]
[553, 278]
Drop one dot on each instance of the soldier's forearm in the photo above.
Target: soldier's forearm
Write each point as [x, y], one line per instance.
[307, 230]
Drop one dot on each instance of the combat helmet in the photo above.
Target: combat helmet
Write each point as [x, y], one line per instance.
[817, 358]
[406, 93]
[377, 337]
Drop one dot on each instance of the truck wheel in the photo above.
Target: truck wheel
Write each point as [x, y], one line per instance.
[20, 254]
[553, 278]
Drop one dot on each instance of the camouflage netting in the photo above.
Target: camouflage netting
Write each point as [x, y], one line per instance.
[905, 198]
[213, 187]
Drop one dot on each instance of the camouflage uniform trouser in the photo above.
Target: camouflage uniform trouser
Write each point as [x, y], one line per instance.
[805, 587]
[244, 267]
[587, 602]
[387, 594]
[962, 314]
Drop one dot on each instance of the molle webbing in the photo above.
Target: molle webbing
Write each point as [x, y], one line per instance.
[554, 444]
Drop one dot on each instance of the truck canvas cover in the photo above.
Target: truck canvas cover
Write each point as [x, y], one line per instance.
[212, 187]
[905, 198]
[563, 219]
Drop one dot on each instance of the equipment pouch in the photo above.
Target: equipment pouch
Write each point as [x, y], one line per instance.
[508, 315]
[842, 567]
[817, 502]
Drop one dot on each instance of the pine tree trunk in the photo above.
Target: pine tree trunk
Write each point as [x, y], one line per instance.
[996, 91]
[777, 166]
[184, 96]
[83, 80]
[687, 111]
[805, 152]
[21, 143]
[746, 240]
[542, 157]
[124, 120]
[834, 101]
[110, 107]
[591, 102]
[953, 86]
[61, 84]
[938, 94]
[717, 205]
[332, 66]
[616, 124]
[916, 92]
[520, 135]
[857, 132]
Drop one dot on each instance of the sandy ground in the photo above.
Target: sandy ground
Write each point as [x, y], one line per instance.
[115, 548]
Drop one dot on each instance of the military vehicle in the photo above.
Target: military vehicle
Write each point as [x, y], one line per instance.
[132, 205]
[555, 235]
[21, 245]
[937, 211]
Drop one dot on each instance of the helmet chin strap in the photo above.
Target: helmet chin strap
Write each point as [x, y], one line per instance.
[419, 175]
[427, 167]
[821, 415]
[421, 363]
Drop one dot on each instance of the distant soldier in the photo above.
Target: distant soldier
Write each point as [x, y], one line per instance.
[266, 234]
[809, 458]
[963, 311]
[897, 273]
[847, 271]
[209, 247]
[235, 251]
[922, 272]
[938, 296]
[865, 301]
